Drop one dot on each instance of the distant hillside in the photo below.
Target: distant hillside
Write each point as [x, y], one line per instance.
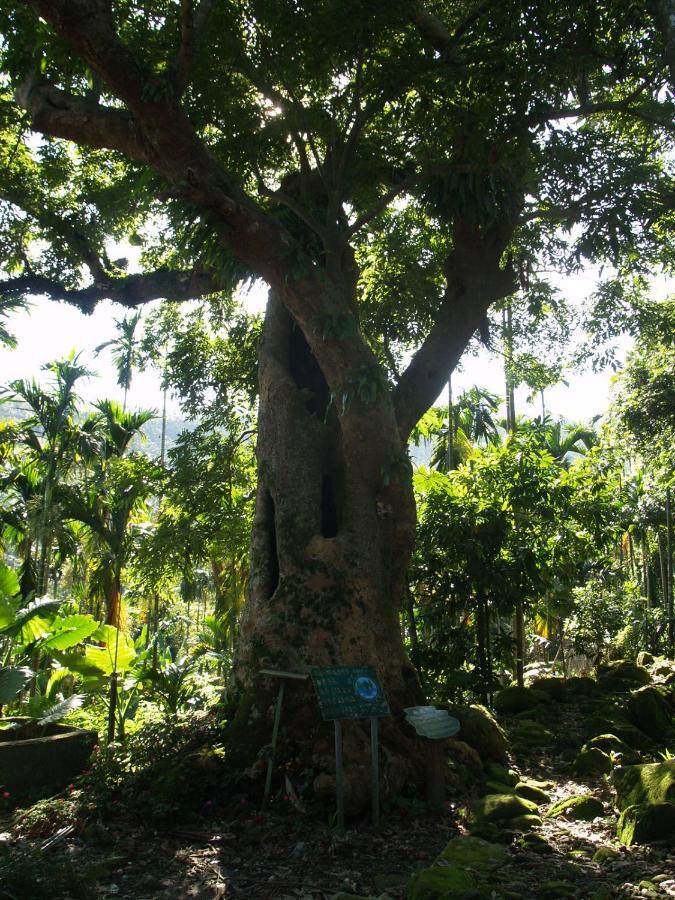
[151, 446]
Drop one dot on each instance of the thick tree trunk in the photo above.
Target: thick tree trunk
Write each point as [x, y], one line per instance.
[331, 543]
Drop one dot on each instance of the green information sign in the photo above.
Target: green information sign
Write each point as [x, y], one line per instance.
[348, 692]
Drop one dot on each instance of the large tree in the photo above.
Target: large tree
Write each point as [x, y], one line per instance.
[390, 171]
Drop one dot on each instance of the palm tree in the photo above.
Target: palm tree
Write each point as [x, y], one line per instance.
[8, 305]
[52, 439]
[563, 440]
[104, 501]
[473, 424]
[124, 351]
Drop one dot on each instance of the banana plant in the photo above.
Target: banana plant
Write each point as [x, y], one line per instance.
[28, 631]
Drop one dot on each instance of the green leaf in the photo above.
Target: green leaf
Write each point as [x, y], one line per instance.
[59, 710]
[9, 581]
[55, 679]
[12, 681]
[24, 616]
[70, 631]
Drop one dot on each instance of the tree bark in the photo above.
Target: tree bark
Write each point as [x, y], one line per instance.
[330, 545]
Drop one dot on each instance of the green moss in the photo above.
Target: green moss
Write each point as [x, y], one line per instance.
[472, 852]
[532, 792]
[581, 807]
[529, 734]
[649, 783]
[582, 686]
[556, 688]
[501, 807]
[494, 787]
[643, 823]
[624, 670]
[480, 730]
[439, 883]
[651, 712]
[605, 854]
[593, 762]
[501, 774]
[610, 743]
[516, 699]
[524, 823]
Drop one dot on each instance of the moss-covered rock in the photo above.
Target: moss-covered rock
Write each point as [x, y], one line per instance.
[644, 658]
[501, 774]
[528, 734]
[648, 783]
[593, 762]
[514, 699]
[615, 722]
[581, 807]
[651, 712]
[624, 670]
[604, 855]
[643, 823]
[480, 730]
[441, 883]
[502, 807]
[555, 688]
[581, 686]
[610, 743]
[536, 842]
[532, 792]
[494, 787]
[662, 668]
[471, 852]
[458, 871]
[525, 823]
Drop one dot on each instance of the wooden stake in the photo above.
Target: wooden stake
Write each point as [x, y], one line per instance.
[339, 781]
[375, 759]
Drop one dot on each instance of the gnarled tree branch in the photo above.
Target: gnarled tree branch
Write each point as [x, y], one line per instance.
[475, 280]
[130, 291]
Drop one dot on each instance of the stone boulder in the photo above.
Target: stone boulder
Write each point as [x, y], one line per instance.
[532, 792]
[461, 870]
[644, 658]
[556, 688]
[582, 806]
[502, 807]
[528, 734]
[592, 762]
[623, 670]
[615, 722]
[643, 823]
[611, 744]
[501, 774]
[581, 686]
[648, 783]
[513, 699]
[651, 712]
[480, 730]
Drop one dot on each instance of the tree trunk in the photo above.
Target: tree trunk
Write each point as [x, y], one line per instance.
[332, 536]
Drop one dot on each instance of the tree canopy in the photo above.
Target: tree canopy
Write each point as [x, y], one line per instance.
[407, 163]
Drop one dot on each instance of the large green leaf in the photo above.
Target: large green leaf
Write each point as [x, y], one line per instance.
[9, 581]
[13, 680]
[43, 609]
[96, 661]
[7, 613]
[59, 710]
[70, 631]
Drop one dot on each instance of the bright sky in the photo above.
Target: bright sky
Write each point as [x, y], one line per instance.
[51, 330]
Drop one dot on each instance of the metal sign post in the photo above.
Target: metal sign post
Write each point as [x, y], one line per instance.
[283, 677]
[351, 692]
